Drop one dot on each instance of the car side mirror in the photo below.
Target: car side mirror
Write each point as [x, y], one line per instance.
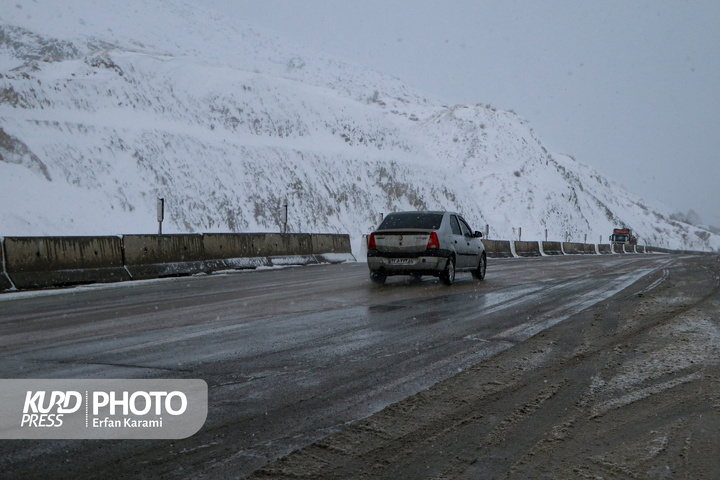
[478, 234]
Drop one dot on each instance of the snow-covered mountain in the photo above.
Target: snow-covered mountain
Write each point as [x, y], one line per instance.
[105, 107]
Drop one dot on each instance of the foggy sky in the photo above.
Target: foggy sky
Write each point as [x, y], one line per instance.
[629, 87]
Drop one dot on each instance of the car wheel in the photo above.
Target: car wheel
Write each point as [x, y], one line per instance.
[479, 272]
[378, 277]
[448, 275]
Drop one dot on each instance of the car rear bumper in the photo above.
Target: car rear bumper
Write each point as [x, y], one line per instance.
[406, 265]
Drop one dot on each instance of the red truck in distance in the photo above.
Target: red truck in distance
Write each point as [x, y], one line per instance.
[623, 236]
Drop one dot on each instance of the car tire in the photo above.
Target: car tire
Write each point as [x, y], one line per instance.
[378, 277]
[448, 275]
[479, 272]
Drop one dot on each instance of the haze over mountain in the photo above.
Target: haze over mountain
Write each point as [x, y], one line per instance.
[105, 108]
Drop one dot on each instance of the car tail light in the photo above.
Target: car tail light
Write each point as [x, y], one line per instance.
[371, 242]
[433, 242]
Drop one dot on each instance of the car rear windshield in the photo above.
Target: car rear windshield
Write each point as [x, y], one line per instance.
[426, 221]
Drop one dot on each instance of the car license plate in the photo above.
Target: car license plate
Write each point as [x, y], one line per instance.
[401, 261]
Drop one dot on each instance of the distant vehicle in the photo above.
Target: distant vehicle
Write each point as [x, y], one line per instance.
[623, 236]
[425, 243]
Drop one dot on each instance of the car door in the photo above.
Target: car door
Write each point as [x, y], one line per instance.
[471, 245]
[459, 242]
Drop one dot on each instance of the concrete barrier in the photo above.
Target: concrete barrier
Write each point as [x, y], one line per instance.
[497, 248]
[617, 248]
[227, 251]
[332, 248]
[330, 243]
[227, 245]
[589, 249]
[629, 249]
[250, 250]
[5, 283]
[605, 249]
[571, 248]
[283, 249]
[527, 249]
[277, 244]
[640, 248]
[155, 256]
[39, 262]
[552, 248]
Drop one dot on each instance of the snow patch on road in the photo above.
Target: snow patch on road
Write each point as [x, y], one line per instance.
[675, 355]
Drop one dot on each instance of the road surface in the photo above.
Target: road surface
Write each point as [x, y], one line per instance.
[567, 367]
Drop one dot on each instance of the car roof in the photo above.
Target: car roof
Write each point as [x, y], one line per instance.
[424, 211]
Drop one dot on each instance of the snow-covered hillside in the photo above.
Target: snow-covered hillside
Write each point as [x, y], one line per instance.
[104, 108]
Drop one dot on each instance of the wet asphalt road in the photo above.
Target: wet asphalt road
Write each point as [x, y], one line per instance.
[290, 355]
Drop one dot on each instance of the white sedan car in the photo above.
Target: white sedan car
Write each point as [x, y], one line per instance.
[425, 243]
